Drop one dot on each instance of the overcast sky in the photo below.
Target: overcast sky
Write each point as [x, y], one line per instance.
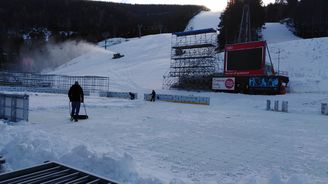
[214, 5]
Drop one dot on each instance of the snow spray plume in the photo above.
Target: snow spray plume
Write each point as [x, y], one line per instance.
[51, 55]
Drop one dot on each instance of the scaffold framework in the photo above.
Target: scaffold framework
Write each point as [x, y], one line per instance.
[193, 56]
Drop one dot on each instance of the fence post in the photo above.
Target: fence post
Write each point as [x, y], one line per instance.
[268, 105]
[276, 105]
[284, 107]
[323, 108]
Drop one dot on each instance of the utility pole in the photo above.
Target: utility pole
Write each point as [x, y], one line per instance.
[278, 61]
[160, 26]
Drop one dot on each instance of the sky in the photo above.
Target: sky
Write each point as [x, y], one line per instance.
[214, 5]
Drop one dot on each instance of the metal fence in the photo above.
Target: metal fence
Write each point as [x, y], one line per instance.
[37, 90]
[34, 80]
[14, 107]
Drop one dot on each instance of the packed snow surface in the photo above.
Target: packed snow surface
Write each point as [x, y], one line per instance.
[234, 140]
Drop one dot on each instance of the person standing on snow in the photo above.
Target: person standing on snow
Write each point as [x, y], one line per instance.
[76, 96]
[153, 96]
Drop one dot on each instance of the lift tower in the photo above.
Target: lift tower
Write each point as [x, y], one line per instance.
[245, 34]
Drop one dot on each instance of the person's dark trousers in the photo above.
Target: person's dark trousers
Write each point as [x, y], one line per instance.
[75, 109]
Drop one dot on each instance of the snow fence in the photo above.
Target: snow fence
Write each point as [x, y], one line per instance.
[127, 95]
[38, 90]
[180, 99]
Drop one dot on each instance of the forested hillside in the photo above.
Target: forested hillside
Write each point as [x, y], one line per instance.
[308, 17]
[29, 23]
[93, 19]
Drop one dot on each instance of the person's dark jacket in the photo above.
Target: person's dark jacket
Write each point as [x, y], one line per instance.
[75, 93]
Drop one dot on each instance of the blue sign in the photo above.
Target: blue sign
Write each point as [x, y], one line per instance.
[263, 82]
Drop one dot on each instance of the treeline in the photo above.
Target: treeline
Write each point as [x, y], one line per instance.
[94, 20]
[308, 17]
[29, 23]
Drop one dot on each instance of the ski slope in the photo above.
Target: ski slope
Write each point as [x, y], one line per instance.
[277, 33]
[144, 63]
[232, 141]
[204, 20]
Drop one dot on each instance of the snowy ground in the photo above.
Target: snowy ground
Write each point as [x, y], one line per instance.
[276, 33]
[234, 140]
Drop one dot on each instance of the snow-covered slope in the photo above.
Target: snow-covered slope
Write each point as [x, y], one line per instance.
[203, 20]
[306, 63]
[147, 59]
[276, 33]
[144, 63]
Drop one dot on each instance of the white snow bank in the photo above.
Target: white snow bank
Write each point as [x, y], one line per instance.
[203, 20]
[25, 147]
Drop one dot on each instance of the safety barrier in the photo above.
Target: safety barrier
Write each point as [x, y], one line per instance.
[38, 90]
[180, 99]
[35, 80]
[14, 107]
[127, 95]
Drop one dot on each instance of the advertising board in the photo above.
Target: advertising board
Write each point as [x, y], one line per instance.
[245, 59]
[223, 83]
[263, 82]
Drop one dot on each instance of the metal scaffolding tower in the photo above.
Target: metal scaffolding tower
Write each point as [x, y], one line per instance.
[192, 58]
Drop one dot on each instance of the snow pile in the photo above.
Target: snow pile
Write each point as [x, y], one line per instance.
[203, 20]
[25, 147]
